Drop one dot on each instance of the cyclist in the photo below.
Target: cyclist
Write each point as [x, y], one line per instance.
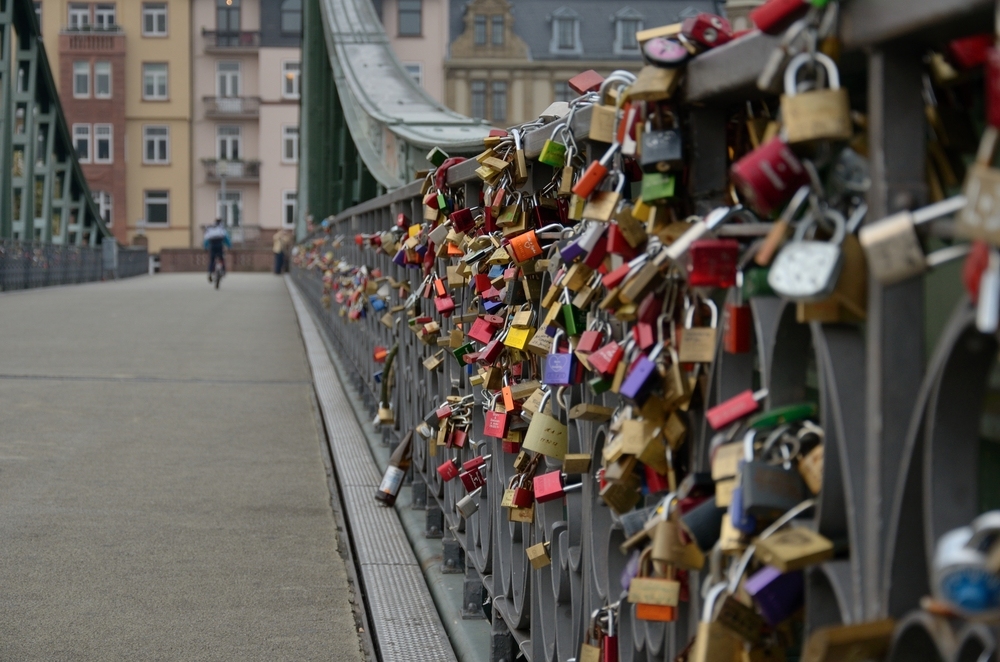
[216, 237]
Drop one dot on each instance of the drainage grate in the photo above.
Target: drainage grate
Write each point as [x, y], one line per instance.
[406, 624]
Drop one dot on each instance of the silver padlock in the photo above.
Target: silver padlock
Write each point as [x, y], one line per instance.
[891, 246]
[467, 506]
[988, 305]
[807, 270]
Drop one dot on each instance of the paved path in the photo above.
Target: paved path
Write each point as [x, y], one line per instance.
[162, 492]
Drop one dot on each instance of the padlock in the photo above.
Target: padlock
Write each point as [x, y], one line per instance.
[708, 30]
[596, 171]
[704, 522]
[559, 367]
[768, 176]
[671, 545]
[737, 321]
[587, 81]
[807, 270]
[712, 263]
[496, 424]
[891, 246]
[482, 330]
[777, 595]
[698, 344]
[811, 469]
[584, 242]
[981, 217]
[793, 548]
[642, 378]
[601, 204]
[819, 114]
[468, 505]
[519, 337]
[449, 470]
[472, 479]
[857, 641]
[554, 153]
[538, 555]
[656, 598]
[713, 642]
[768, 490]
[662, 150]
[961, 578]
[548, 486]
[546, 434]
[657, 186]
[775, 15]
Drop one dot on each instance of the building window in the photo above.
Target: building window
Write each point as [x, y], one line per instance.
[416, 72]
[479, 30]
[229, 207]
[157, 205]
[103, 143]
[154, 19]
[102, 80]
[291, 17]
[81, 142]
[103, 201]
[228, 142]
[290, 144]
[496, 30]
[499, 100]
[227, 17]
[410, 18]
[478, 88]
[156, 144]
[81, 80]
[227, 76]
[104, 17]
[79, 16]
[154, 82]
[562, 92]
[291, 72]
[627, 22]
[291, 199]
[565, 32]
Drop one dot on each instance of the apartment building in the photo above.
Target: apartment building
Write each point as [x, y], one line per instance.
[246, 66]
[418, 33]
[123, 80]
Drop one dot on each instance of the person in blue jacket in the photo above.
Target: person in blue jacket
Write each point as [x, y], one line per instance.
[216, 237]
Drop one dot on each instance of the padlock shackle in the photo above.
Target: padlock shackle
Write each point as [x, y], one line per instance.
[839, 225]
[708, 610]
[797, 62]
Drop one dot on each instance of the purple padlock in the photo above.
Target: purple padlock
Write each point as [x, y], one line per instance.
[583, 244]
[777, 595]
[493, 306]
[558, 367]
[640, 381]
[631, 570]
[400, 257]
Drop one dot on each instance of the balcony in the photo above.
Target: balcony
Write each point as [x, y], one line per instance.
[231, 42]
[234, 171]
[232, 107]
[90, 38]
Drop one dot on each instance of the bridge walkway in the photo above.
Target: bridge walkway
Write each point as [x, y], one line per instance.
[162, 490]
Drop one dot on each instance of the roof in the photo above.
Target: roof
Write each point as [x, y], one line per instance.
[533, 22]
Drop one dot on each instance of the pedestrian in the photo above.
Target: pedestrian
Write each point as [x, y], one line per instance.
[279, 251]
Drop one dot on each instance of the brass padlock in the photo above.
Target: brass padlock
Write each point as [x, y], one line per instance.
[538, 555]
[793, 548]
[817, 114]
[698, 344]
[546, 434]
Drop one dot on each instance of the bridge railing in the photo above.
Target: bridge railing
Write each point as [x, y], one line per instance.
[902, 433]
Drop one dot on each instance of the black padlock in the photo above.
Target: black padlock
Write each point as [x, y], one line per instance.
[661, 150]
[704, 521]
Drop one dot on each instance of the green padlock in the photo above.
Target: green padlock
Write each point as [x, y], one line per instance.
[755, 283]
[799, 411]
[599, 385]
[657, 186]
[437, 156]
[442, 202]
[574, 319]
[553, 153]
[460, 352]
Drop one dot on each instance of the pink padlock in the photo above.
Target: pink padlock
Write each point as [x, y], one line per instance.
[735, 408]
[548, 487]
[768, 176]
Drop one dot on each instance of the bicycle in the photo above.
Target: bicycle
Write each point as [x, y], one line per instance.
[220, 271]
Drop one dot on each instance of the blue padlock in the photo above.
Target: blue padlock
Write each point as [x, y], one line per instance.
[777, 595]
[378, 305]
[961, 577]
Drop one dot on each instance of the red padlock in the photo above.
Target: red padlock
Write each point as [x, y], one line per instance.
[618, 245]
[482, 330]
[587, 81]
[775, 15]
[458, 438]
[975, 264]
[614, 279]
[769, 176]
[491, 352]
[380, 353]
[735, 408]
[475, 463]
[402, 221]
[523, 496]
[590, 341]
[708, 30]
[462, 220]
[596, 256]
[548, 487]
[712, 262]
[448, 470]
[443, 412]
[495, 424]
[444, 305]
[510, 446]
[737, 323]
[472, 479]
[971, 52]
[482, 283]
[606, 359]
[644, 336]
[656, 482]
[649, 309]
[992, 74]
[595, 173]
